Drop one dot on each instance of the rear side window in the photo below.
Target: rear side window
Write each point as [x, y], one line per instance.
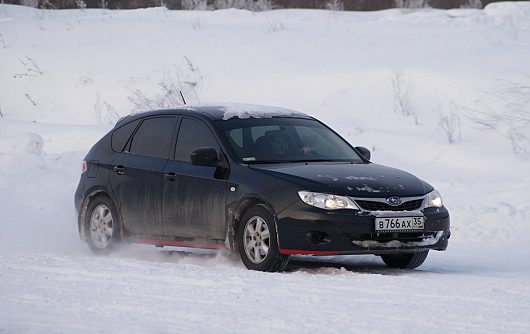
[121, 135]
[192, 135]
[153, 138]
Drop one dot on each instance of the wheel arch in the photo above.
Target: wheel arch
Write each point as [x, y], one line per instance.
[234, 217]
[89, 196]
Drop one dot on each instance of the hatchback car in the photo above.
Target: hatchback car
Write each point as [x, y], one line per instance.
[262, 181]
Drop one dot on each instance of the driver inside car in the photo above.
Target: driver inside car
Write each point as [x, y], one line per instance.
[280, 148]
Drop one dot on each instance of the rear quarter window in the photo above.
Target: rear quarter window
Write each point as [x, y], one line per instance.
[121, 136]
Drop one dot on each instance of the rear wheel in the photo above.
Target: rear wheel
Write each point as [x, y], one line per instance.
[102, 225]
[257, 241]
[405, 261]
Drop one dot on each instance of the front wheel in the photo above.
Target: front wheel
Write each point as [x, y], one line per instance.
[102, 225]
[405, 261]
[257, 241]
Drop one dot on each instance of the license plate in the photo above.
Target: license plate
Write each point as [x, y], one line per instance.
[397, 224]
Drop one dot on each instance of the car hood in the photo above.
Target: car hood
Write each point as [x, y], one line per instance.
[349, 179]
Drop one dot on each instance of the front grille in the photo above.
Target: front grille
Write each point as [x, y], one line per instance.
[380, 206]
[386, 237]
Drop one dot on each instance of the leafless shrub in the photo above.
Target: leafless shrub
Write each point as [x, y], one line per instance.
[2, 41]
[31, 68]
[402, 96]
[450, 123]
[412, 4]
[197, 24]
[477, 4]
[186, 80]
[274, 25]
[105, 112]
[191, 78]
[1, 114]
[505, 110]
[85, 80]
[30, 99]
[167, 97]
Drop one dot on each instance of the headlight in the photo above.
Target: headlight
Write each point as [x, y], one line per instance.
[433, 199]
[326, 201]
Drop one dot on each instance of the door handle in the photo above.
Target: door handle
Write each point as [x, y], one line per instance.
[170, 176]
[120, 170]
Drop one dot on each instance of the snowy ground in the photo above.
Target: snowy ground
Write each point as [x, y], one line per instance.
[65, 76]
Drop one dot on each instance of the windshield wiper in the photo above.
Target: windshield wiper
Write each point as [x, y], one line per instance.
[257, 162]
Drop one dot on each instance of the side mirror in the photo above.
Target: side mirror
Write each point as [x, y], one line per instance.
[205, 156]
[364, 151]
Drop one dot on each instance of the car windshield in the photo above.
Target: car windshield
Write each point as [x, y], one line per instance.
[282, 139]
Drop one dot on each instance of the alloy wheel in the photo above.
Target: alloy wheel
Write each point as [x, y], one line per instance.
[101, 226]
[256, 239]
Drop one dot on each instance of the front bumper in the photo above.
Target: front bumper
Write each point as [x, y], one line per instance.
[303, 229]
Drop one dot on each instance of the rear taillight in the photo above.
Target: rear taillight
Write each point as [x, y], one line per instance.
[83, 167]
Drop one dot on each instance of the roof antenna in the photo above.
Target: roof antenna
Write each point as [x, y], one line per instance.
[182, 96]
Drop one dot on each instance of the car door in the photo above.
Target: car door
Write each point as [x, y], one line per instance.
[193, 200]
[136, 179]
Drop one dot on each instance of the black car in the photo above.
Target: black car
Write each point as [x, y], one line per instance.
[263, 181]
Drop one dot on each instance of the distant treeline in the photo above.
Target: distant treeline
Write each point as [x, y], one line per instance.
[358, 5]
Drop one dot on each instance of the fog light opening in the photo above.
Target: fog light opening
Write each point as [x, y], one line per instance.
[318, 238]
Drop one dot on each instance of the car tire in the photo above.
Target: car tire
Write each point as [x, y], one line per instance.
[258, 243]
[405, 261]
[102, 225]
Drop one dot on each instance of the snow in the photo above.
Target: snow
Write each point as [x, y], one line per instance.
[67, 76]
[396, 244]
[334, 178]
[368, 189]
[245, 110]
[360, 178]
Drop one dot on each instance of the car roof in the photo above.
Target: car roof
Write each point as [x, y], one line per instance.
[221, 111]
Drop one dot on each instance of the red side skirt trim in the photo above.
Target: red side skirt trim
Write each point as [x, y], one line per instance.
[305, 252]
[178, 243]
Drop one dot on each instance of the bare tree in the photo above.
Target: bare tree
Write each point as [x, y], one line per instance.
[30, 3]
[195, 4]
[254, 5]
[335, 5]
[477, 4]
[81, 5]
[412, 4]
